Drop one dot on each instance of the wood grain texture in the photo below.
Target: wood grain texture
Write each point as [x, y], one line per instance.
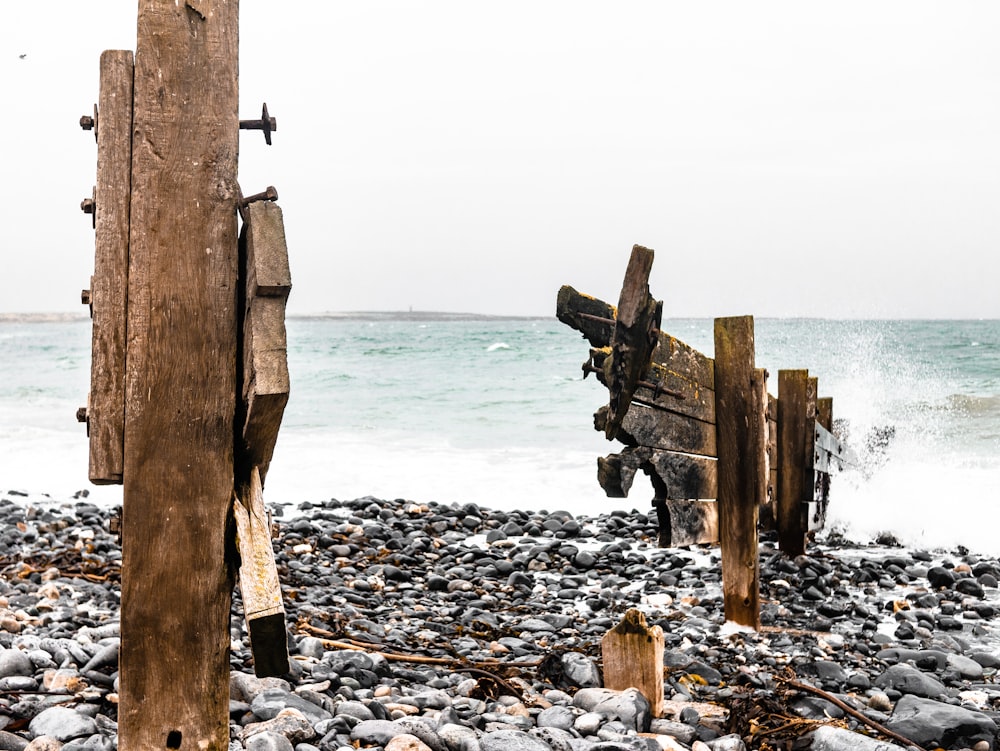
[740, 411]
[591, 317]
[687, 523]
[258, 576]
[676, 476]
[632, 653]
[633, 338]
[796, 417]
[180, 379]
[264, 377]
[109, 285]
[647, 426]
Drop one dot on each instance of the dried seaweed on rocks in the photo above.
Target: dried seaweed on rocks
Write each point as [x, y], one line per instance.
[764, 720]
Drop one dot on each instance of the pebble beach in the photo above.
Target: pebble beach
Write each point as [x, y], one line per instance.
[416, 627]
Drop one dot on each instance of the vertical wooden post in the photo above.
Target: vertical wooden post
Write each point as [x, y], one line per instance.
[741, 437]
[106, 404]
[180, 378]
[633, 657]
[824, 412]
[796, 420]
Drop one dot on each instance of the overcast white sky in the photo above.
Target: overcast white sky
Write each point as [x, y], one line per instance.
[837, 159]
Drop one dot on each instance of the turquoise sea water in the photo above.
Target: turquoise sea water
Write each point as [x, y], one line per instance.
[495, 412]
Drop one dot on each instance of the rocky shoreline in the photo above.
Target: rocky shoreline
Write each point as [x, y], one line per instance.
[459, 628]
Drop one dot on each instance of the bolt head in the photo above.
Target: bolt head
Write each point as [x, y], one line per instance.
[87, 205]
[81, 414]
[87, 122]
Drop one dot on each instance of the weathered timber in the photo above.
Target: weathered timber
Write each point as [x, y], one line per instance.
[109, 284]
[591, 317]
[768, 511]
[265, 382]
[683, 523]
[635, 334]
[673, 475]
[180, 379]
[741, 409]
[796, 417]
[632, 653]
[646, 426]
[258, 577]
[824, 412]
[676, 356]
[664, 389]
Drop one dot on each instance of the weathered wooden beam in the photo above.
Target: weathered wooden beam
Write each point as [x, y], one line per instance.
[632, 654]
[180, 379]
[591, 317]
[106, 403]
[796, 420]
[259, 587]
[683, 523]
[673, 475]
[665, 389]
[740, 411]
[674, 355]
[646, 426]
[264, 375]
[635, 333]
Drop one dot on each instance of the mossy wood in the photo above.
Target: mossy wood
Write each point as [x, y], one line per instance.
[109, 285]
[180, 379]
[632, 653]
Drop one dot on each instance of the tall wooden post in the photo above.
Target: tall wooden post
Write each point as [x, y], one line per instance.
[741, 438]
[180, 378]
[796, 420]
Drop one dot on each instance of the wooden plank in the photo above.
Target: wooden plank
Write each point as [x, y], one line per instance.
[633, 339]
[264, 376]
[632, 656]
[106, 403]
[674, 355]
[677, 393]
[592, 317]
[741, 404]
[180, 379]
[259, 587]
[824, 412]
[796, 418]
[684, 523]
[673, 475]
[646, 426]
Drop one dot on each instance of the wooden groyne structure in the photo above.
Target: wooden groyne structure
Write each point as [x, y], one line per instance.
[724, 456]
[189, 376]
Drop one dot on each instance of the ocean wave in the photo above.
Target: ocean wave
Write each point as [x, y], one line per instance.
[497, 345]
[975, 405]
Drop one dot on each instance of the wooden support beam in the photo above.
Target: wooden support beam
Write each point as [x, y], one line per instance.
[180, 379]
[264, 375]
[683, 523]
[635, 334]
[591, 317]
[259, 586]
[741, 406]
[632, 653]
[646, 426]
[673, 475]
[796, 418]
[106, 403]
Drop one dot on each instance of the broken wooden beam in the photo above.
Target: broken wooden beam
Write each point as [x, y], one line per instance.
[263, 609]
[796, 438]
[635, 333]
[264, 376]
[673, 475]
[632, 654]
[684, 523]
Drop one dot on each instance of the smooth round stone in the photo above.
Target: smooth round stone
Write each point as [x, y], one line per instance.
[354, 709]
[588, 723]
[580, 670]
[556, 717]
[512, 740]
[62, 723]
[268, 741]
[15, 662]
[406, 742]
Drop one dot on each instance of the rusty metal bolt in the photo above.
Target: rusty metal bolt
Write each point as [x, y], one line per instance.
[266, 123]
[87, 122]
[271, 194]
[81, 414]
[85, 297]
[88, 205]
